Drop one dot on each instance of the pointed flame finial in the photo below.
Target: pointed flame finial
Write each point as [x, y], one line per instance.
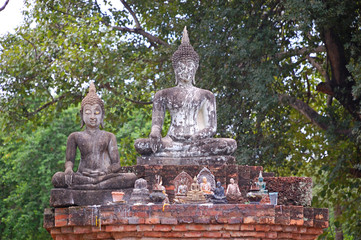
[92, 88]
[185, 38]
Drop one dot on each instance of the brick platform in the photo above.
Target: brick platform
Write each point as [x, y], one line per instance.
[235, 221]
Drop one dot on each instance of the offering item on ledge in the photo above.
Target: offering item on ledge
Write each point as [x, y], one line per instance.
[195, 195]
[218, 196]
[233, 193]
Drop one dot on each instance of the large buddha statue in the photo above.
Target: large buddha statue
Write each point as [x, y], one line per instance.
[193, 115]
[99, 157]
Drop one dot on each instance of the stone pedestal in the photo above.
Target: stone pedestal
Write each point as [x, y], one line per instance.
[186, 221]
[211, 160]
[62, 197]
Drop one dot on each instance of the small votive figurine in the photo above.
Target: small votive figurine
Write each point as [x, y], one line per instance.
[261, 184]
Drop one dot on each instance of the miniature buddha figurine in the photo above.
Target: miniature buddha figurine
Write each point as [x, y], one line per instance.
[218, 196]
[233, 194]
[99, 161]
[195, 195]
[206, 186]
[140, 194]
[192, 111]
[261, 184]
[182, 189]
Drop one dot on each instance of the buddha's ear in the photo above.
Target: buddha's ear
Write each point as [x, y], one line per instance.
[81, 119]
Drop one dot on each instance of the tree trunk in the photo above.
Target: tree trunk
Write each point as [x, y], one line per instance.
[339, 232]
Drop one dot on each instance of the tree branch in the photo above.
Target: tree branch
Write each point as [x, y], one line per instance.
[304, 109]
[150, 37]
[137, 24]
[319, 68]
[45, 106]
[300, 51]
[4, 6]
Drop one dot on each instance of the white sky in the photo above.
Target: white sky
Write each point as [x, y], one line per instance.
[11, 16]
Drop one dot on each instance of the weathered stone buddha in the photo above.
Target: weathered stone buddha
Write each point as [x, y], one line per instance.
[233, 193]
[99, 157]
[218, 196]
[192, 111]
[205, 186]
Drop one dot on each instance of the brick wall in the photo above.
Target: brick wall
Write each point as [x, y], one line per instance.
[188, 221]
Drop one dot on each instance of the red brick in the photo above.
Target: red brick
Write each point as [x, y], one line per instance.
[79, 230]
[284, 235]
[266, 220]
[197, 227]
[289, 228]
[89, 236]
[260, 234]
[145, 228]
[180, 227]
[98, 229]
[135, 220]
[233, 227]
[215, 227]
[185, 219]
[222, 219]
[61, 217]
[171, 221]
[153, 234]
[263, 228]
[172, 234]
[204, 220]
[153, 220]
[61, 223]
[212, 234]
[55, 231]
[193, 234]
[114, 228]
[67, 229]
[103, 235]
[298, 222]
[162, 228]
[272, 235]
[130, 228]
[235, 220]
[226, 235]
[249, 227]
[314, 231]
[250, 219]
[276, 228]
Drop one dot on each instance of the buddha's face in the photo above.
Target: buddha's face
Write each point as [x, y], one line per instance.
[231, 180]
[204, 179]
[92, 115]
[185, 71]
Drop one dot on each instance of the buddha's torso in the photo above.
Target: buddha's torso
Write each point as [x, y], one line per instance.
[185, 106]
[94, 151]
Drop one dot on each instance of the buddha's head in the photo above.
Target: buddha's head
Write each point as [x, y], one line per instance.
[204, 180]
[231, 180]
[92, 109]
[219, 184]
[185, 61]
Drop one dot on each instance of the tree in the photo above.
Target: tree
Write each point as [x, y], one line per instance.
[286, 74]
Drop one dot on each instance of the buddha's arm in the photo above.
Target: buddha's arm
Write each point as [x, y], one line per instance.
[70, 153]
[157, 121]
[113, 154]
[209, 117]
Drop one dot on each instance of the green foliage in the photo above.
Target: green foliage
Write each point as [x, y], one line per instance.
[253, 55]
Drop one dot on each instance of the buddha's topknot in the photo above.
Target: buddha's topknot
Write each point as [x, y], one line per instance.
[185, 51]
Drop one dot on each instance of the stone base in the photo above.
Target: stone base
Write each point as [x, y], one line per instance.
[186, 221]
[210, 160]
[62, 197]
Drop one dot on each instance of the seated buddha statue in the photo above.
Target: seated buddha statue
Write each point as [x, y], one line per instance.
[233, 193]
[193, 115]
[99, 157]
[205, 186]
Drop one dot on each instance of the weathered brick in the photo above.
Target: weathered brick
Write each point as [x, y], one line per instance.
[215, 227]
[171, 221]
[193, 234]
[135, 220]
[102, 235]
[264, 228]
[197, 227]
[235, 220]
[180, 227]
[153, 220]
[248, 227]
[79, 230]
[233, 227]
[250, 219]
[212, 234]
[144, 228]
[67, 229]
[172, 234]
[272, 235]
[289, 228]
[55, 231]
[298, 222]
[162, 228]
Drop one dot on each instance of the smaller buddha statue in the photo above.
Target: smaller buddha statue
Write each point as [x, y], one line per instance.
[182, 189]
[218, 196]
[261, 184]
[195, 195]
[206, 186]
[233, 193]
[99, 166]
[140, 194]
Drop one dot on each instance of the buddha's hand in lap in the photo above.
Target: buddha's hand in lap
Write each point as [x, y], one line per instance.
[155, 140]
[69, 171]
[114, 168]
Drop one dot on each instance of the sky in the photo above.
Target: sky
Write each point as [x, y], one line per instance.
[11, 16]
